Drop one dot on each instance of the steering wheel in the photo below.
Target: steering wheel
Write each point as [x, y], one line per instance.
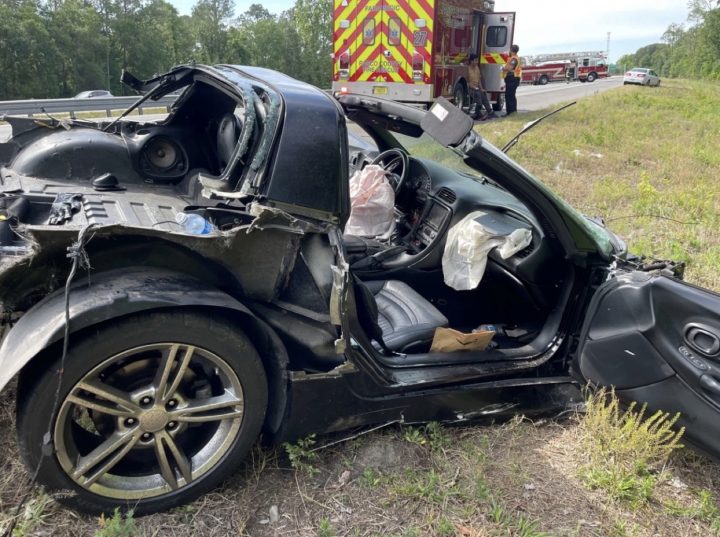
[395, 163]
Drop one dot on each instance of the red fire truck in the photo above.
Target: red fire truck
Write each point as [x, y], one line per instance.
[416, 50]
[584, 66]
[545, 72]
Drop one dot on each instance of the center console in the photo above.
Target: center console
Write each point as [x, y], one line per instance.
[430, 225]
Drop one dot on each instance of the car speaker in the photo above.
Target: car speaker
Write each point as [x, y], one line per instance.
[163, 158]
[162, 154]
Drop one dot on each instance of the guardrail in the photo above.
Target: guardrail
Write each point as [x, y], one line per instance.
[32, 107]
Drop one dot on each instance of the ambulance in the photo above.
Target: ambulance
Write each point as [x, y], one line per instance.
[417, 50]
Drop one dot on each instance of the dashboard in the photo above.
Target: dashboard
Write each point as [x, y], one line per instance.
[433, 198]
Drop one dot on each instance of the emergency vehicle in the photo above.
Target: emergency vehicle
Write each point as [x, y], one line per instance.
[545, 72]
[417, 50]
[544, 68]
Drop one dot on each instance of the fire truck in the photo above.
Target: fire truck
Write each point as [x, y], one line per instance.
[584, 66]
[545, 72]
[417, 50]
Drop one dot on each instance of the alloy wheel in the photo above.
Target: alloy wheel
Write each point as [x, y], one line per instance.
[149, 421]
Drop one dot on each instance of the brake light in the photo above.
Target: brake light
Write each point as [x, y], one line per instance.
[641, 75]
[418, 65]
[344, 64]
[628, 73]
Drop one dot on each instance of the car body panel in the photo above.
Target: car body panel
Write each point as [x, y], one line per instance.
[645, 333]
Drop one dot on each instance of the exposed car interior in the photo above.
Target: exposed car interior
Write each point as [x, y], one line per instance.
[400, 294]
[401, 277]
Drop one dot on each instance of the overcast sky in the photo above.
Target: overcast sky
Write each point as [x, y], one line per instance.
[562, 25]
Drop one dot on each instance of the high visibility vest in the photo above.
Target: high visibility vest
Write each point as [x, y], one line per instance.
[518, 68]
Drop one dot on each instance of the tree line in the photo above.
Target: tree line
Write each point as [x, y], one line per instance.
[57, 48]
[687, 50]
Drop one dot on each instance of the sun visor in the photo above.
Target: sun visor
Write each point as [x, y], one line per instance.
[446, 123]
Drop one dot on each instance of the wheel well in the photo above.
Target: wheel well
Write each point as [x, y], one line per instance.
[267, 343]
[460, 83]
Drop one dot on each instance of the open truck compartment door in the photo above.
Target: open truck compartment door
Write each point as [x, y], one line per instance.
[497, 38]
[657, 341]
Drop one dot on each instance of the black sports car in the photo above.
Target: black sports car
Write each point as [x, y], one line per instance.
[172, 290]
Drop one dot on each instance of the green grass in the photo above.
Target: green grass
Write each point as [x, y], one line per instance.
[301, 454]
[118, 525]
[626, 450]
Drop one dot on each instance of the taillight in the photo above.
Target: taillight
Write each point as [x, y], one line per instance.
[418, 65]
[344, 64]
[641, 75]
[628, 73]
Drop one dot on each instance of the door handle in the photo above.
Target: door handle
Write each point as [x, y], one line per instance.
[710, 384]
[702, 338]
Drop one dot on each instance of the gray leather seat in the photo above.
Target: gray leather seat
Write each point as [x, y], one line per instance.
[406, 319]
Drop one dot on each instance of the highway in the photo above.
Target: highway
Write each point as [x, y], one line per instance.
[530, 98]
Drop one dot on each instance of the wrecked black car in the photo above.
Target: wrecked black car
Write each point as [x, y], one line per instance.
[173, 290]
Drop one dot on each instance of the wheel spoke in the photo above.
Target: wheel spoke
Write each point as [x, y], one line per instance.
[171, 372]
[123, 404]
[221, 407]
[165, 443]
[111, 451]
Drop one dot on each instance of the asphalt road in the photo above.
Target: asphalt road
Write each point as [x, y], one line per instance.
[530, 98]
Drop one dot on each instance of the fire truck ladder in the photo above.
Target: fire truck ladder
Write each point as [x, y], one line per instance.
[570, 56]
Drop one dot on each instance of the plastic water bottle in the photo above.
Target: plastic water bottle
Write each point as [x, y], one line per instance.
[194, 224]
[486, 328]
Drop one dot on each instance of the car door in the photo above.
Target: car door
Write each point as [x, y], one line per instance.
[656, 339]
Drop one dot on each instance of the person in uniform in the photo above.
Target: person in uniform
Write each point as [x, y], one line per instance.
[512, 72]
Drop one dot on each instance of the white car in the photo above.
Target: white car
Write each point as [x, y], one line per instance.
[93, 94]
[642, 76]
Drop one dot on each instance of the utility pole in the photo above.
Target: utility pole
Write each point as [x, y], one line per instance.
[607, 50]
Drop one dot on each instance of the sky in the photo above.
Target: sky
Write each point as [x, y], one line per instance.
[561, 25]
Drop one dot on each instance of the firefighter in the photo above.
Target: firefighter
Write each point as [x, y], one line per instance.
[512, 73]
[477, 92]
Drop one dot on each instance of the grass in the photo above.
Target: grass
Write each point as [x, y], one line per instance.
[626, 450]
[632, 155]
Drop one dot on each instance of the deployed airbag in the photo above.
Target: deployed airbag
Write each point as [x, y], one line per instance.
[468, 245]
[372, 201]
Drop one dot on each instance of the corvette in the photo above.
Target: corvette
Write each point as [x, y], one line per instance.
[150, 355]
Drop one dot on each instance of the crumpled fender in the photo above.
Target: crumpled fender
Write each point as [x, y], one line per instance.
[99, 298]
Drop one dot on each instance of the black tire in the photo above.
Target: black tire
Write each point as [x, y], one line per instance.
[543, 80]
[205, 357]
[498, 105]
[591, 77]
[461, 97]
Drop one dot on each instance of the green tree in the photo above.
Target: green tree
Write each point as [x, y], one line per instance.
[210, 20]
[313, 20]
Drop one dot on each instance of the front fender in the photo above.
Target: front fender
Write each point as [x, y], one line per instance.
[100, 298]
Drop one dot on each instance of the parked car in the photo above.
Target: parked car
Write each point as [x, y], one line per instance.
[93, 94]
[642, 76]
[150, 360]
